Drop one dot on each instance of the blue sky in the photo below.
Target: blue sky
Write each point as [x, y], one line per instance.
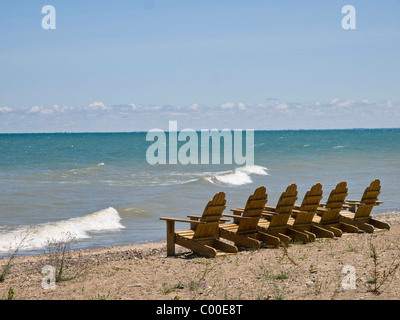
[133, 65]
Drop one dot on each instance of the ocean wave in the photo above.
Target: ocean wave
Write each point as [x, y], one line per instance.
[38, 236]
[87, 170]
[136, 212]
[75, 172]
[236, 177]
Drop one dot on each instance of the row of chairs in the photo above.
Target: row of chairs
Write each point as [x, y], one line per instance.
[257, 223]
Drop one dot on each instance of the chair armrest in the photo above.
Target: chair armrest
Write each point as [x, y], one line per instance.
[237, 210]
[351, 201]
[182, 220]
[194, 217]
[267, 216]
[236, 216]
[299, 211]
[270, 213]
[198, 217]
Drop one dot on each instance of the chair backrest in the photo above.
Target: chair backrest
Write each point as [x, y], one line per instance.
[369, 199]
[284, 206]
[335, 203]
[212, 215]
[309, 205]
[253, 210]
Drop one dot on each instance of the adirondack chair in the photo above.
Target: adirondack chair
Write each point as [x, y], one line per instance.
[302, 216]
[359, 212]
[275, 219]
[203, 236]
[328, 214]
[243, 230]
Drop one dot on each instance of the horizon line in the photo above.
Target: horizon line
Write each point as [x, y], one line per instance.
[198, 130]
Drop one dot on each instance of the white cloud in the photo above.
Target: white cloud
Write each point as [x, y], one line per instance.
[241, 106]
[58, 108]
[389, 103]
[97, 105]
[35, 109]
[334, 101]
[5, 109]
[194, 106]
[346, 103]
[49, 110]
[275, 116]
[282, 106]
[227, 105]
[46, 111]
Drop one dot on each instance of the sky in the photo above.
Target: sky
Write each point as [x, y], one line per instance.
[135, 65]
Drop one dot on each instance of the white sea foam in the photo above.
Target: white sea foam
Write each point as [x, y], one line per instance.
[238, 176]
[36, 237]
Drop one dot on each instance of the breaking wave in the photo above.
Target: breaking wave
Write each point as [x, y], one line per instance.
[38, 236]
[236, 177]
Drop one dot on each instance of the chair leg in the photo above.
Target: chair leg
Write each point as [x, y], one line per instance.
[240, 240]
[311, 235]
[298, 235]
[338, 232]
[225, 247]
[379, 224]
[369, 228]
[268, 238]
[359, 224]
[196, 246]
[283, 237]
[348, 228]
[170, 238]
[322, 231]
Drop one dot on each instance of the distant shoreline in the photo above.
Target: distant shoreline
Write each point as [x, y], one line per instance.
[255, 130]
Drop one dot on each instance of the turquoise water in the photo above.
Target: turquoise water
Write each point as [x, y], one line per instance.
[99, 189]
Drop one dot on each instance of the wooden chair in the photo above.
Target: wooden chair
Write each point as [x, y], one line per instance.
[275, 219]
[358, 213]
[243, 230]
[303, 215]
[203, 237]
[328, 214]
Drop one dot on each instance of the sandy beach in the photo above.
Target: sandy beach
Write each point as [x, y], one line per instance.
[340, 269]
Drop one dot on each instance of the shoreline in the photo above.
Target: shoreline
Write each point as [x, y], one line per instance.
[390, 217]
[143, 271]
